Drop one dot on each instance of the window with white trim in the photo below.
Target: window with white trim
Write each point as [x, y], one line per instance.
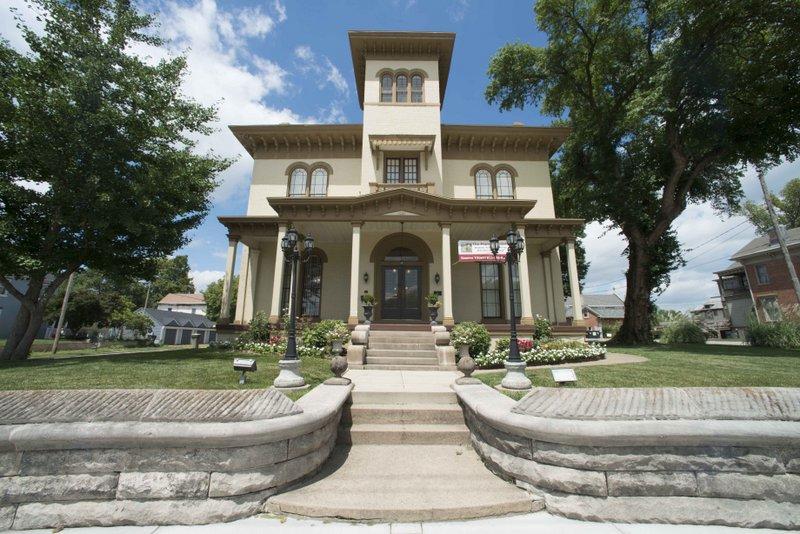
[298, 182]
[301, 186]
[494, 183]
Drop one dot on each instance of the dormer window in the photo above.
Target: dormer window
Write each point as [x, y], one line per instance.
[395, 87]
[301, 186]
[494, 182]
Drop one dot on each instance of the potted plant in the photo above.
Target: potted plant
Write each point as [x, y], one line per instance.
[470, 338]
[433, 306]
[368, 302]
[336, 334]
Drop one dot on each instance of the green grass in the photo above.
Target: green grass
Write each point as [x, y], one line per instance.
[683, 366]
[172, 369]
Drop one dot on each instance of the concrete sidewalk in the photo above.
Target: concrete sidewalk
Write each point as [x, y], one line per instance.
[538, 523]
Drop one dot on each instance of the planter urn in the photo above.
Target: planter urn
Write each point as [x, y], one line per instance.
[433, 311]
[367, 313]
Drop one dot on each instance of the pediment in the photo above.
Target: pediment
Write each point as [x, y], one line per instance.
[400, 213]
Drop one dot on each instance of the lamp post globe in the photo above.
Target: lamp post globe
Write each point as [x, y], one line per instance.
[494, 245]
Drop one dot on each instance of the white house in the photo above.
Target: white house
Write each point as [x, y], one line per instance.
[183, 303]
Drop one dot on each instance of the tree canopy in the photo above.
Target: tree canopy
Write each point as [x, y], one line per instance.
[98, 167]
[787, 207]
[213, 298]
[667, 99]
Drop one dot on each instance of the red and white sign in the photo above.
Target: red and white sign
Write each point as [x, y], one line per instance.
[479, 251]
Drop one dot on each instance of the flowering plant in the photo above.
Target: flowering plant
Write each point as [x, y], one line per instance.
[550, 353]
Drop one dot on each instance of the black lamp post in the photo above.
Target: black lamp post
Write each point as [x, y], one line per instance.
[515, 377]
[289, 376]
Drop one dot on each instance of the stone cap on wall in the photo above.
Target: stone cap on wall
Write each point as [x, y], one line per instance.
[630, 404]
[555, 425]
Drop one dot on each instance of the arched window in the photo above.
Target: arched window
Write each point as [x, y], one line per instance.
[483, 184]
[416, 88]
[402, 88]
[319, 182]
[312, 286]
[298, 183]
[505, 184]
[386, 88]
[401, 254]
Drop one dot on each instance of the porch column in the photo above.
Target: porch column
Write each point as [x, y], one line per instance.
[227, 285]
[524, 284]
[355, 256]
[244, 276]
[574, 285]
[447, 284]
[556, 285]
[252, 282]
[548, 286]
[277, 279]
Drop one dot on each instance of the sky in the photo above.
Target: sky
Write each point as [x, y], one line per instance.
[277, 61]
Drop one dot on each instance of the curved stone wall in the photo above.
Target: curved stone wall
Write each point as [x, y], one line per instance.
[156, 457]
[725, 456]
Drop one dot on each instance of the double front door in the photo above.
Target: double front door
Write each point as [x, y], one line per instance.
[401, 297]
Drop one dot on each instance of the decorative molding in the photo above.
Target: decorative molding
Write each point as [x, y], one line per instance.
[306, 141]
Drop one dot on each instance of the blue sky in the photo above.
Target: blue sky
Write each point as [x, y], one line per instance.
[289, 61]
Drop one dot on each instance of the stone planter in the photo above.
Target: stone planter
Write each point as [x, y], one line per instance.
[367, 313]
[336, 347]
[433, 311]
[463, 351]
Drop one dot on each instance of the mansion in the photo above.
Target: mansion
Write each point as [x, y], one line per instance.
[394, 202]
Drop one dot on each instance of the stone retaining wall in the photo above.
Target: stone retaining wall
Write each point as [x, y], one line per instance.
[90, 473]
[726, 471]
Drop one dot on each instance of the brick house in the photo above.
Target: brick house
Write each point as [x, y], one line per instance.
[599, 311]
[767, 276]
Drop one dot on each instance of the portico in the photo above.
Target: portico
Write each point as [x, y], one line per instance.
[399, 245]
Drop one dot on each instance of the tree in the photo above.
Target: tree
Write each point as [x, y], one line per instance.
[172, 276]
[668, 99]
[139, 323]
[213, 298]
[97, 161]
[564, 208]
[787, 205]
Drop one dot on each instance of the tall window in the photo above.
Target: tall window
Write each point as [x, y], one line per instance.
[392, 170]
[386, 88]
[402, 171]
[490, 290]
[761, 274]
[496, 184]
[483, 184]
[517, 293]
[286, 287]
[416, 88]
[312, 286]
[319, 183]
[410, 175]
[402, 88]
[505, 187]
[298, 183]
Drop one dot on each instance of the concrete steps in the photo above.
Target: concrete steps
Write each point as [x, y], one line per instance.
[398, 350]
[432, 413]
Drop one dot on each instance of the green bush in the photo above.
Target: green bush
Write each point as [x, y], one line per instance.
[683, 331]
[260, 330]
[473, 334]
[321, 334]
[784, 334]
[541, 328]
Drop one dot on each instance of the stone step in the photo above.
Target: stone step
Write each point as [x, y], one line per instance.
[380, 345]
[397, 360]
[403, 434]
[403, 397]
[405, 413]
[401, 337]
[391, 353]
[403, 483]
[398, 367]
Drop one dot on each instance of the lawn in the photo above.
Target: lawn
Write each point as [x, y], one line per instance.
[171, 369]
[683, 365]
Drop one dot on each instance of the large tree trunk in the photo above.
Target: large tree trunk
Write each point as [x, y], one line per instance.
[16, 334]
[636, 328]
[23, 348]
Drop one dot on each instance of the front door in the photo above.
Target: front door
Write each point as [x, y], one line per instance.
[401, 297]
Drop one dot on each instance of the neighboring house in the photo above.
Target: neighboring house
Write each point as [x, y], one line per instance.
[736, 300]
[599, 311]
[393, 200]
[711, 317]
[767, 275]
[184, 303]
[9, 308]
[175, 328]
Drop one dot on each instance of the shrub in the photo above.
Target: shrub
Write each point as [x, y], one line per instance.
[541, 328]
[260, 330]
[683, 331]
[783, 334]
[473, 334]
[549, 353]
[368, 299]
[321, 334]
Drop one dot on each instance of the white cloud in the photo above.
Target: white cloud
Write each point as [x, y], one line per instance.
[458, 10]
[280, 9]
[201, 279]
[321, 67]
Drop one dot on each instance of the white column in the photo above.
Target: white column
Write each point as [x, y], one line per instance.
[447, 279]
[574, 285]
[548, 289]
[524, 284]
[244, 275]
[277, 279]
[227, 284]
[252, 283]
[355, 256]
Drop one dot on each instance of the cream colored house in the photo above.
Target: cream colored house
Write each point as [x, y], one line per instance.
[388, 200]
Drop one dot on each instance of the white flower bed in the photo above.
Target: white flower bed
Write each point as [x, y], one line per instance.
[544, 356]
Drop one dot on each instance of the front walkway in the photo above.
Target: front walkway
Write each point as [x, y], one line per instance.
[536, 523]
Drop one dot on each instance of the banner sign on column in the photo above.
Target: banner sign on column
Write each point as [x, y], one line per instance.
[479, 251]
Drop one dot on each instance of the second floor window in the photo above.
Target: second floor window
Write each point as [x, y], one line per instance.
[416, 88]
[483, 184]
[402, 170]
[319, 183]
[497, 184]
[761, 274]
[301, 186]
